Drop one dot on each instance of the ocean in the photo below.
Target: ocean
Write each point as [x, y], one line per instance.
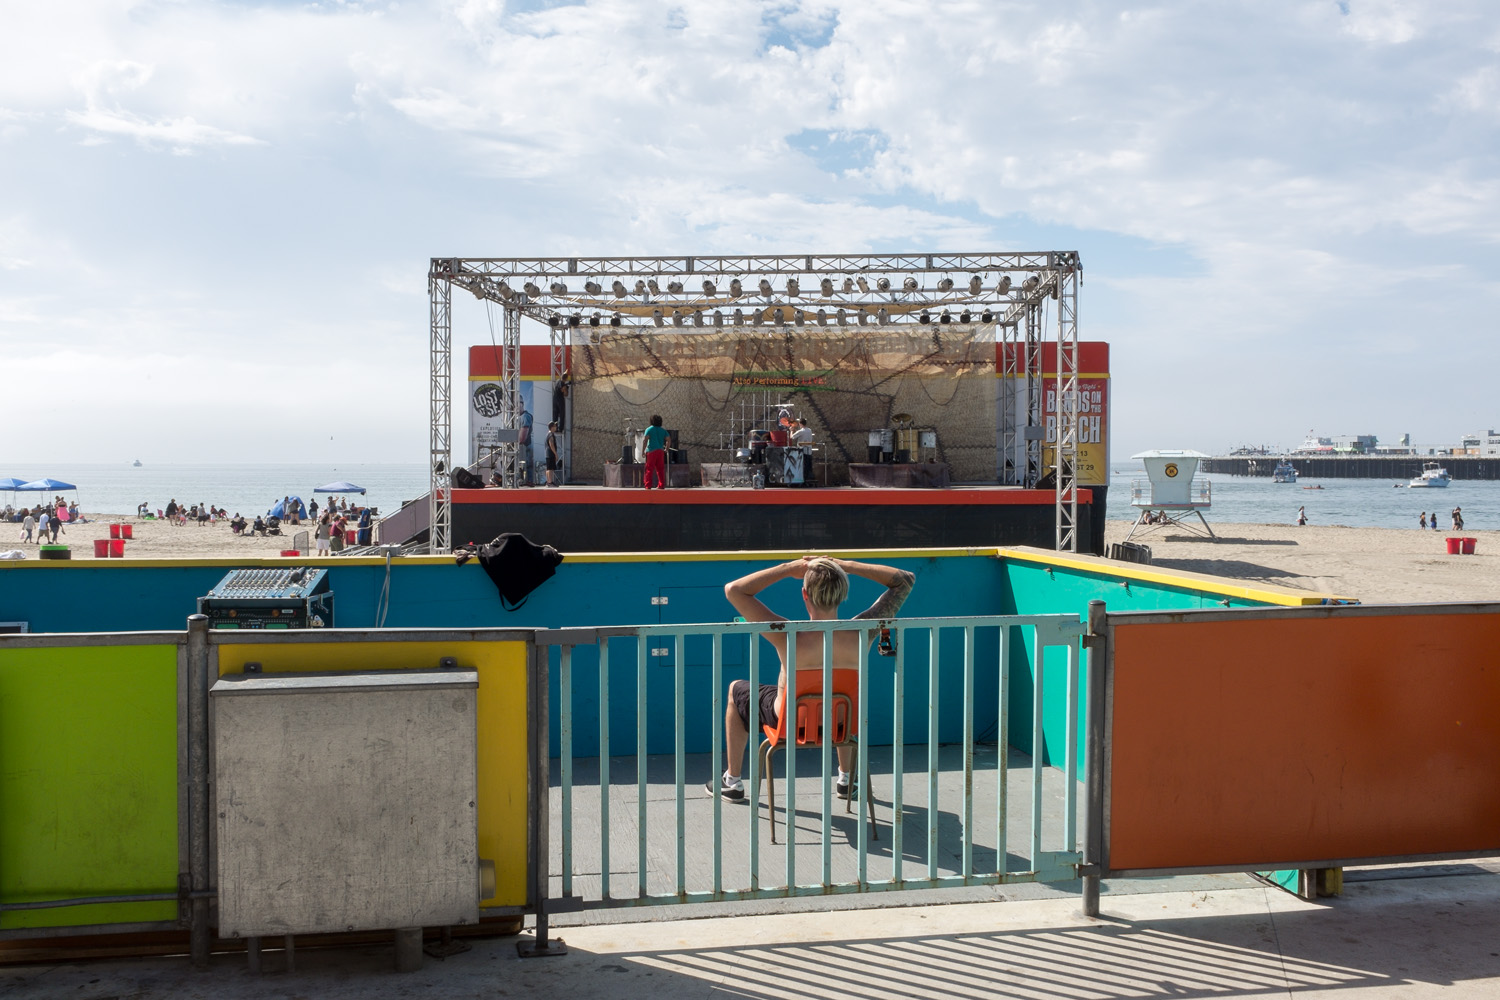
[242, 489]
[252, 489]
[1353, 503]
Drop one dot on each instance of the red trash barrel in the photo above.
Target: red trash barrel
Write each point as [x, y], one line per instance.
[1455, 546]
[117, 547]
[127, 531]
[1469, 546]
[101, 548]
[351, 536]
[114, 531]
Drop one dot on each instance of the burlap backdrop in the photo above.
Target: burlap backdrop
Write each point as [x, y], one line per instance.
[845, 381]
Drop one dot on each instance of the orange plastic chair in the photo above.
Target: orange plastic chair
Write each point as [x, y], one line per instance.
[808, 711]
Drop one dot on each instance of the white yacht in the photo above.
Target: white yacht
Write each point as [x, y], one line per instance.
[1284, 472]
[1433, 475]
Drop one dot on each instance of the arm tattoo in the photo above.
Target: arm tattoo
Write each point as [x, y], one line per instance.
[888, 603]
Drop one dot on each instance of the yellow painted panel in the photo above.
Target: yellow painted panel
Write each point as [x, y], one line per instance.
[502, 766]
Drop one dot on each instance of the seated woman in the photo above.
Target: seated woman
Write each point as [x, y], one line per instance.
[238, 524]
[259, 528]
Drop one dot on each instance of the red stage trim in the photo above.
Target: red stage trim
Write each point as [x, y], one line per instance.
[993, 496]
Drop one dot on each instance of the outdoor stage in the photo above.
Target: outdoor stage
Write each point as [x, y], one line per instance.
[600, 519]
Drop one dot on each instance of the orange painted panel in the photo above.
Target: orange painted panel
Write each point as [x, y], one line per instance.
[1262, 741]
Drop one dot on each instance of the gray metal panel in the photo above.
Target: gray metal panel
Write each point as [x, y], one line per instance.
[346, 802]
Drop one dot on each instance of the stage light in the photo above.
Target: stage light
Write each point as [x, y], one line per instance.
[964, 316]
[779, 316]
[925, 318]
[594, 320]
[531, 289]
[652, 285]
[676, 317]
[739, 317]
[863, 319]
[755, 318]
[987, 316]
[975, 285]
[864, 286]
[765, 288]
[826, 287]
[709, 289]
[910, 284]
[1004, 286]
[884, 316]
[619, 289]
[736, 288]
[656, 316]
[718, 318]
[1029, 285]
[592, 287]
[792, 288]
[675, 287]
[553, 322]
[558, 288]
[505, 291]
[614, 320]
[574, 320]
[797, 316]
[945, 318]
[883, 285]
[841, 317]
[848, 285]
[640, 287]
[697, 317]
[822, 317]
[945, 284]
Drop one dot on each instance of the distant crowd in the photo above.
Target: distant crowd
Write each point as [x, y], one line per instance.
[43, 521]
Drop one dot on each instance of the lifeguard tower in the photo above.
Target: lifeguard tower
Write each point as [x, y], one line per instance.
[1170, 494]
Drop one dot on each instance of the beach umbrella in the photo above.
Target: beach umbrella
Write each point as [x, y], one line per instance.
[340, 487]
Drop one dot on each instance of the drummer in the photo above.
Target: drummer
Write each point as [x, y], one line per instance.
[801, 433]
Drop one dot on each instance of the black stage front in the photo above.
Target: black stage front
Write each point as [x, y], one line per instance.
[599, 519]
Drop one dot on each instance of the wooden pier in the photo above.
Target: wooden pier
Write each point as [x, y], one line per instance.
[1397, 468]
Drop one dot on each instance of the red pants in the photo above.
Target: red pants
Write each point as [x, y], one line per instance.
[656, 466]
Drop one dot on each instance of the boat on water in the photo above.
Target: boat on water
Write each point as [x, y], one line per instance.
[1433, 475]
[1284, 472]
[1312, 487]
[136, 464]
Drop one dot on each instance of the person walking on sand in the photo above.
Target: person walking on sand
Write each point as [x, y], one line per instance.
[1301, 515]
[1458, 519]
[28, 525]
[1422, 523]
[1433, 521]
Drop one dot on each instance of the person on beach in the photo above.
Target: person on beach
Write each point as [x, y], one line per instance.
[656, 454]
[312, 509]
[42, 523]
[57, 526]
[1422, 523]
[1458, 519]
[825, 584]
[1301, 515]
[325, 525]
[1433, 519]
[28, 525]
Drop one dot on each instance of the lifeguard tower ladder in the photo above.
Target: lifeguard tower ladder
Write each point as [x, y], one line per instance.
[1171, 494]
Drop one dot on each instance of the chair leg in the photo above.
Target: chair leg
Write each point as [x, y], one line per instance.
[768, 752]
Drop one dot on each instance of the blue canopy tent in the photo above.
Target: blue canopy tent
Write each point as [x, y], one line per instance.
[9, 484]
[339, 487]
[45, 486]
[279, 508]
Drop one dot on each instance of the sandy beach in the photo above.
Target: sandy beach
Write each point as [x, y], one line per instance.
[1374, 565]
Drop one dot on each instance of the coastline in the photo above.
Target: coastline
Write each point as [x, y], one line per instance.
[1374, 565]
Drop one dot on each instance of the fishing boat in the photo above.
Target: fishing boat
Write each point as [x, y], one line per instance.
[1433, 475]
[136, 464]
[1284, 472]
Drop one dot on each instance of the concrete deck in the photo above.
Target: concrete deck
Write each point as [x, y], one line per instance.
[1397, 933]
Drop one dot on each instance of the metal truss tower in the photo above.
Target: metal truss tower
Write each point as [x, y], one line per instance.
[440, 454]
[1010, 462]
[1035, 410]
[1065, 453]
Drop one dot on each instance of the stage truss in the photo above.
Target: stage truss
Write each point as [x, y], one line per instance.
[1012, 290]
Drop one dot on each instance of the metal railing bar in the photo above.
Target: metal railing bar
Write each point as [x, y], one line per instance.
[35, 640]
[933, 637]
[1038, 746]
[833, 889]
[862, 763]
[840, 625]
[898, 755]
[754, 775]
[565, 721]
[1002, 751]
[716, 729]
[604, 766]
[680, 678]
[141, 897]
[827, 755]
[968, 804]
[641, 667]
[1070, 754]
[790, 745]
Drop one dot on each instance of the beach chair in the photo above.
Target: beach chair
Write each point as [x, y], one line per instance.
[808, 731]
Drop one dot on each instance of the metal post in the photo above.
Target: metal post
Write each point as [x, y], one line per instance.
[1010, 359]
[510, 394]
[1035, 420]
[1096, 642]
[1065, 450]
[539, 853]
[440, 453]
[198, 816]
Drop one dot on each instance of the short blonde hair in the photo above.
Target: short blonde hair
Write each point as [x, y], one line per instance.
[825, 583]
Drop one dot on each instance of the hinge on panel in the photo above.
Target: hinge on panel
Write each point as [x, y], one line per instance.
[658, 600]
[1092, 641]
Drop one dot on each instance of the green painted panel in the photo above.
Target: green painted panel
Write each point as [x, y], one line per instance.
[88, 781]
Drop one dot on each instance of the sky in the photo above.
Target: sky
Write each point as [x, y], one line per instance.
[216, 218]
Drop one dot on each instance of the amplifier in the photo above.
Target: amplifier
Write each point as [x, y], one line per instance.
[296, 597]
